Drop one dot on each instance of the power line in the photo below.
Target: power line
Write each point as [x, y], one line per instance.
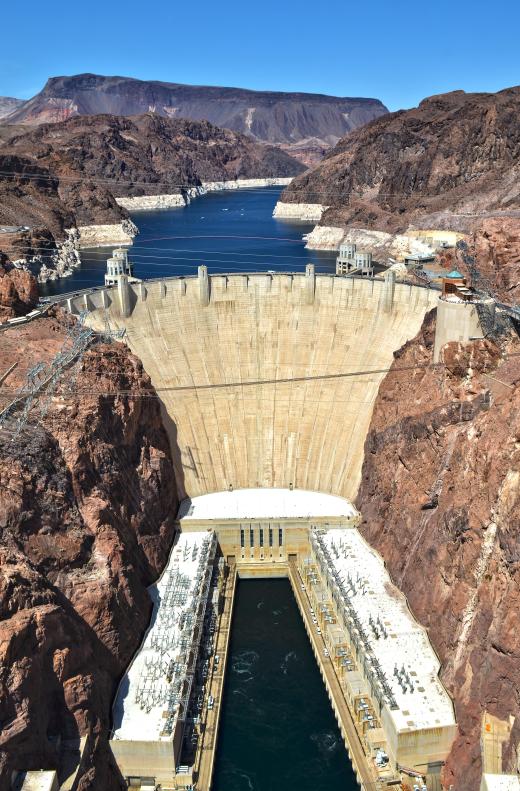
[82, 177]
[273, 381]
[135, 251]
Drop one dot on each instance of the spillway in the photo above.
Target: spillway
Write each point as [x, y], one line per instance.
[266, 380]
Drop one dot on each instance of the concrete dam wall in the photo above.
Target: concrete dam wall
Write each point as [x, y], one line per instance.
[257, 373]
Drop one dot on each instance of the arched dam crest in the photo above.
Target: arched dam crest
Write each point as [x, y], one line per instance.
[257, 359]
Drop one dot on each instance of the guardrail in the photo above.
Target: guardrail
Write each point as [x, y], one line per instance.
[94, 289]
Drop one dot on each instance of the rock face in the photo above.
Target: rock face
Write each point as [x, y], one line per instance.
[444, 164]
[494, 247]
[306, 123]
[8, 105]
[87, 502]
[18, 291]
[440, 500]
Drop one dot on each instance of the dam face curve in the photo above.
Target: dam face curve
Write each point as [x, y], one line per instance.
[257, 373]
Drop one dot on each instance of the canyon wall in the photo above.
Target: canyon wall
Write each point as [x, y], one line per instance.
[87, 503]
[444, 164]
[440, 500]
[81, 174]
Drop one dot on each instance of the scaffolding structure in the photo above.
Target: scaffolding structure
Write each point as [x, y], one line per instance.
[42, 378]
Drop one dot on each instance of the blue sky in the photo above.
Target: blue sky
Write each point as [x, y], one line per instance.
[397, 50]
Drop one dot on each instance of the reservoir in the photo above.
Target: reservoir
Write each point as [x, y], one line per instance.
[229, 231]
[277, 730]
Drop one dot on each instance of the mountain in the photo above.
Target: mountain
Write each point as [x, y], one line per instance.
[9, 105]
[443, 164]
[70, 173]
[303, 121]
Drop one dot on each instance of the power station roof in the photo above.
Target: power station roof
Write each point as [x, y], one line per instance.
[266, 504]
[400, 644]
[44, 780]
[493, 782]
[145, 693]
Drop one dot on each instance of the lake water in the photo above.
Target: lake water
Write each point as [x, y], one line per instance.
[230, 231]
[277, 728]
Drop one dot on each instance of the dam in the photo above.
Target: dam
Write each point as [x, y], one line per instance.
[267, 384]
[265, 379]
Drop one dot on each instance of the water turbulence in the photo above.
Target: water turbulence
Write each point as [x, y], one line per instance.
[277, 729]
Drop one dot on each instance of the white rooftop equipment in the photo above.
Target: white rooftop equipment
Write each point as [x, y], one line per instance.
[491, 782]
[40, 780]
[266, 504]
[150, 697]
[389, 634]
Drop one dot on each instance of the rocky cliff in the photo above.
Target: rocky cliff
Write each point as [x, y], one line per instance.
[444, 164]
[306, 123]
[18, 290]
[9, 105]
[490, 259]
[440, 500]
[87, 502]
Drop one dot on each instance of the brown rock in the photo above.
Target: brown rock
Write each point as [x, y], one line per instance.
[443, 164]
[495, 245]
[87, 503]
[18, 291]
[440, 500]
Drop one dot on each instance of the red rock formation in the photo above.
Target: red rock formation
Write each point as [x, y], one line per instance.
[495, 245]
[443, 164]
[440, 500]
[18, 291]
[87, 502]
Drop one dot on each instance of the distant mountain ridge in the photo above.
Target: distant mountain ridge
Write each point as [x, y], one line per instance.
[299, 121]
[8, 104]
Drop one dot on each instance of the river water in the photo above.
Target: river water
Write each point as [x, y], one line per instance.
[231, 231]
[277, 729]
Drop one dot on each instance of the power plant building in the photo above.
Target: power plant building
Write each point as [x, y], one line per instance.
[259, 530]
[388, 669]
[151, 705]
[119, 265]
[352, 261]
